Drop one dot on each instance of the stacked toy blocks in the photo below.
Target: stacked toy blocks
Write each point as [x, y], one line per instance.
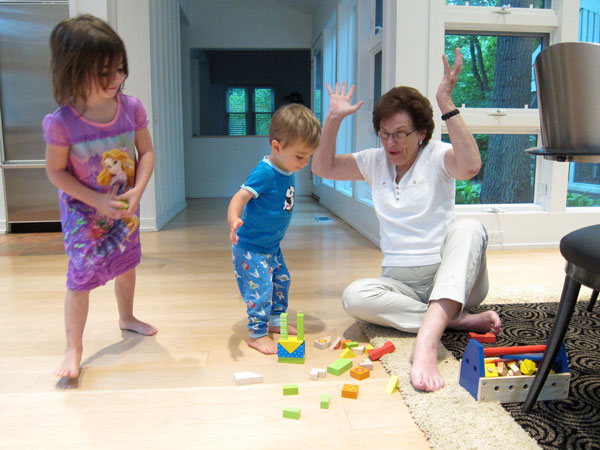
[291, 349]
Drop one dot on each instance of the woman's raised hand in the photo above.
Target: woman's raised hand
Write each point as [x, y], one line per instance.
[339, 101]
[444, 92]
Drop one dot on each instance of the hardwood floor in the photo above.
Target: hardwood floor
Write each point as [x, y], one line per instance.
[175, 389]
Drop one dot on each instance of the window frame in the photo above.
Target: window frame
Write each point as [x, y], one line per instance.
[250, 113]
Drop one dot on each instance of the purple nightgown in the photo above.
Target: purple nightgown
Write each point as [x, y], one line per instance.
[102, 156]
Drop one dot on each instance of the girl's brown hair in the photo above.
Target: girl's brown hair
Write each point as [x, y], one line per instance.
[409, 100]
[83, 48]
[295, 123]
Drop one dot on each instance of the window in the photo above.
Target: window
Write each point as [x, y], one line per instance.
[507, 174]
[543, 4]
[240, 121]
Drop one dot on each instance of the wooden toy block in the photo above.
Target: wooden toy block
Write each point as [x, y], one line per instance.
[291, 349]
[323, 342]
[369, 347]
[325, 401]
[339, 367]
[366, 363]
[513, 368]
[527, 367]
[347, 354]
[350, 391]
[490, 370]
[300, 326]
[506, 389]
[291, 413]
[351, 344]
[359, 350]
[283, 326]
[315, 374]
[360, 373]
[336, 344]
[345, 341]
[501, 369]
[290, 389]
[377, 353]
[392, 385]
[242, 378]
[485, 338]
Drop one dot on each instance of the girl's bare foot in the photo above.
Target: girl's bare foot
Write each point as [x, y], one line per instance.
[138, 326]
[70, 366]
[291, 329]
[485, 322]
[263, 344]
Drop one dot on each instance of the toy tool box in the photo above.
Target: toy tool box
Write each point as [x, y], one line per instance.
[507, 389]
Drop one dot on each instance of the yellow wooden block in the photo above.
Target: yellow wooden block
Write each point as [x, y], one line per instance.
[290, 344]
[347, 354]
[392, 385]
[490, 370]
[527, 367]
[369, 347]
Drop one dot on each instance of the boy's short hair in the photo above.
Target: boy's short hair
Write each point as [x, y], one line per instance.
[295, 123]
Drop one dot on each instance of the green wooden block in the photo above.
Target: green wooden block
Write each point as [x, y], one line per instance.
[290, 389]
[339, 367]
[351, 344]
[325, 401]
[282, 359]
[291, 413]
[300, 326]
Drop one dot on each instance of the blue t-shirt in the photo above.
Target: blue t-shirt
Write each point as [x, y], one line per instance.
[267, 215]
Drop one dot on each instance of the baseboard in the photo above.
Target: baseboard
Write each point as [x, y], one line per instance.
[3, 227]
[155, 224]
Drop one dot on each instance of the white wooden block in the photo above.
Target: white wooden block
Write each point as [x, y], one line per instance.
[241, 378]
[335, 343]
[360, 350]
[366, 363]
[323, 342]
[317, 373]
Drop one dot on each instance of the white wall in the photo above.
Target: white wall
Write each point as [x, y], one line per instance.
[216, 166]
[150, 30]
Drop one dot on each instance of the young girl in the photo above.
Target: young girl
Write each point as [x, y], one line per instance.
[91, 158]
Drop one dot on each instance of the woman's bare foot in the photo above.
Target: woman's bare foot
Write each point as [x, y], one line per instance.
[263, 344]
[485, 322]
[70, 366]
[424, 373]
[291, 329]
[138, 326]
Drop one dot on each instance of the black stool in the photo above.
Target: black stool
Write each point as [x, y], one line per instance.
[581, 249]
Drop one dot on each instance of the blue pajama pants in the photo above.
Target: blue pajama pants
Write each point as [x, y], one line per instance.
[264, 282]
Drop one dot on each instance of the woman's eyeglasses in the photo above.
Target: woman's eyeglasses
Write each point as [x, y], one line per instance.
[399, 136]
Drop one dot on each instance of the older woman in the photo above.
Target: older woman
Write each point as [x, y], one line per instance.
[434, 268]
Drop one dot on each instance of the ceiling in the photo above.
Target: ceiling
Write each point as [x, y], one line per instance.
[305, 6]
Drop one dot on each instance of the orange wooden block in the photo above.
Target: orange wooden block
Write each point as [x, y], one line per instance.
[350, 391]
[345, 341]
[360, 373]
[483, 338]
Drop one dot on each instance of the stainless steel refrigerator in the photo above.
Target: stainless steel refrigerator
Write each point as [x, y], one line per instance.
[25, 97]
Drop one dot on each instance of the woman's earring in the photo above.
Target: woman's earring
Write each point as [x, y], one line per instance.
[421, 142]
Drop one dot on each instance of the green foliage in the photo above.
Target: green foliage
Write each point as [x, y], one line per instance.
[581, 200]
[467, 193]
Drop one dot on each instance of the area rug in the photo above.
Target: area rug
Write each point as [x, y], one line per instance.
[452, 419]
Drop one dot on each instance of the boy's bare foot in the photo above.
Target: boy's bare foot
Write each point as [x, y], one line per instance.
[138, 326]
[291, 329]
[485, 322]
[263, 344]
[70, 366]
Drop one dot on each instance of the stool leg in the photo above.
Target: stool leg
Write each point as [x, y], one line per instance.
[568, 299]
[593, 299]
